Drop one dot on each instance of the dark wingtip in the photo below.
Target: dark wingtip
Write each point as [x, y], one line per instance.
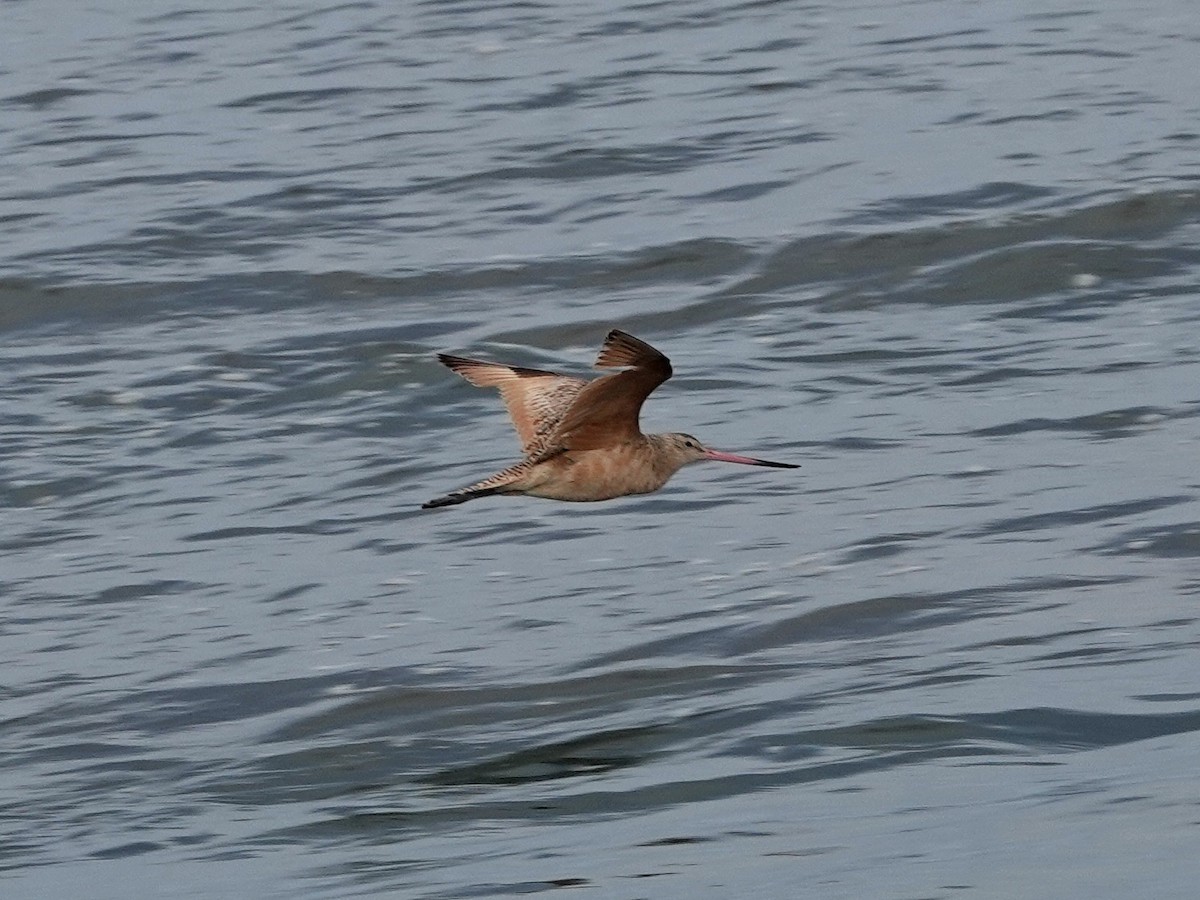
[622, 349]
[448, 500]
[458, 497]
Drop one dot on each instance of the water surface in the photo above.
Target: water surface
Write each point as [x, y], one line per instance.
[943, 256]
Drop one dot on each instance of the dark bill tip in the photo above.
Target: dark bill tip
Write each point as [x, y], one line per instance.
[722, 456]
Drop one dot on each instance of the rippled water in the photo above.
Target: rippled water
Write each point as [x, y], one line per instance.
[943, 255]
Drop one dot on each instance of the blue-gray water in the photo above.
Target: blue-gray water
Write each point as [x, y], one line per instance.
[945, 255]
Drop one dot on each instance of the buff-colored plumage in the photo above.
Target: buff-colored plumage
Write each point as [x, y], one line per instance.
[581, 439]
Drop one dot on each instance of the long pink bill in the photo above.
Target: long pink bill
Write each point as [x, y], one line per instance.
[746, 460]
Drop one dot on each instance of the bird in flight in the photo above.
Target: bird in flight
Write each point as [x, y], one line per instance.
[581, 439]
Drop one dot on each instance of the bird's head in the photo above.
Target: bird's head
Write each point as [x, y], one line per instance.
[684, 449]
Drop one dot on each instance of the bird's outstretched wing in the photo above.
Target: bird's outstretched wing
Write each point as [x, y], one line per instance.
[604, 412]
[536, 400]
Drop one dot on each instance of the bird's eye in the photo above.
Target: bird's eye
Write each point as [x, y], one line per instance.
[691, 444]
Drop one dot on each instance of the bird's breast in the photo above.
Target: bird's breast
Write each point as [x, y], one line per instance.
[584, 475]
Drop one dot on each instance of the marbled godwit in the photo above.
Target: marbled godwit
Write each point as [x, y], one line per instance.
[581, 439]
